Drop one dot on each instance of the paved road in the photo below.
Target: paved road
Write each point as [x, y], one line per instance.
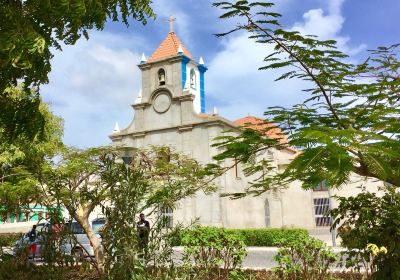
[257, 257]
[260, 257]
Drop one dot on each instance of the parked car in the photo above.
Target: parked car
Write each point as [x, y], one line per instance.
[74, 243]
[79, 244]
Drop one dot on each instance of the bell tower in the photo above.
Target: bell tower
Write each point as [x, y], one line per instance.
[171, 69]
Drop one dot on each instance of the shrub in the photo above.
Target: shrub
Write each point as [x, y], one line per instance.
[213, 250]
[8, 239]
[304, 259]
[258, 237]
[369, 218]
[270, 236]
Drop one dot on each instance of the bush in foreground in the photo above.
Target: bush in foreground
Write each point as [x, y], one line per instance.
[214, 251]
[304, 259]
[253, 237]
[269, 236]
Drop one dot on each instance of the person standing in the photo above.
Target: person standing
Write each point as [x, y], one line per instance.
[143, 228]
[32, 235]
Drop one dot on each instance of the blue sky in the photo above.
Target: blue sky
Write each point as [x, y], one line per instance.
[93, 83]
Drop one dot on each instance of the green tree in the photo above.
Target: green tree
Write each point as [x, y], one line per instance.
[155, 180]
[22, 160]
[349, 121]
[31, 30]
[72, 180]
[81, 180]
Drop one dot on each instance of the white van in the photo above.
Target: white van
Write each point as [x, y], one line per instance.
[78, 245]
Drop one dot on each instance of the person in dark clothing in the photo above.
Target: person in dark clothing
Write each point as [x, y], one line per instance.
[143, 229]
[32, 241]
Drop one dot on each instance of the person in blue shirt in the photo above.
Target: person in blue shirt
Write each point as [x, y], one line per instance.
[32, 235]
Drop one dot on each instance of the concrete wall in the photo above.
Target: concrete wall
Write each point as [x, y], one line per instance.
[186, 131]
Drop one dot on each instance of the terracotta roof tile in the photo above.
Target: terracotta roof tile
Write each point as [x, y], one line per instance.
[168, 48]
[270, 129]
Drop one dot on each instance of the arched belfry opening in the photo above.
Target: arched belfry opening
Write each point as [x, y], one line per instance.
[161, 77]
[192, 79]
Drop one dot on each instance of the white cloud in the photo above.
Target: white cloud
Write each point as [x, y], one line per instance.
[92, 85]
[239, 88]
[327, 26]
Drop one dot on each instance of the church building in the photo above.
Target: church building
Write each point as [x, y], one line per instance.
[170, 111]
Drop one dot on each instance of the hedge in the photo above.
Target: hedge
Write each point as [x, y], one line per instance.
[269, 236]
[9, 239]
[259, 237]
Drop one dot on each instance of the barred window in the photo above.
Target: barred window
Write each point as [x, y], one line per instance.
[321, 207]
[167, 217]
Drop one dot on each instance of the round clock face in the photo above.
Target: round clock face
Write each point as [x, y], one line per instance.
[162, 102]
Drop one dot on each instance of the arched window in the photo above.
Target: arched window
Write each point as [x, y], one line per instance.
[267, 214]
[192, 79]
[161, 77]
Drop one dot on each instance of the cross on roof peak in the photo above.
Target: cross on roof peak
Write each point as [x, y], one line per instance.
[171, 20]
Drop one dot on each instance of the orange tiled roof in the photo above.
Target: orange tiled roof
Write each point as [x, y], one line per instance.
[169, 47]
[270, 129]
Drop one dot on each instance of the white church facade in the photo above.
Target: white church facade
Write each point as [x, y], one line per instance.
[170, 110]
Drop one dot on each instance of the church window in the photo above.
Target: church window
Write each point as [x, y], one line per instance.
[322, 186]
[267, 214]
[192, 79]
[167, 216]
[321, 207]
[161, 77]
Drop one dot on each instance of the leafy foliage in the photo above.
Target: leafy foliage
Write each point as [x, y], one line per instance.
[369, 218]
[258, 236]
[304, 259]
[126, 255]
[213, 250]
[7, 240]
[269, 236]
[30, 31]
[154, 180]
[72, 181]
[22, 159]
[81, 180]
[349, 121]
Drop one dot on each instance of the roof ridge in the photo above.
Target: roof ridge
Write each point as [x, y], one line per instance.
[168, 48]
[173, 39]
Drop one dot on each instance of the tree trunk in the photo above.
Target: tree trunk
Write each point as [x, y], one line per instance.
[94, 241]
